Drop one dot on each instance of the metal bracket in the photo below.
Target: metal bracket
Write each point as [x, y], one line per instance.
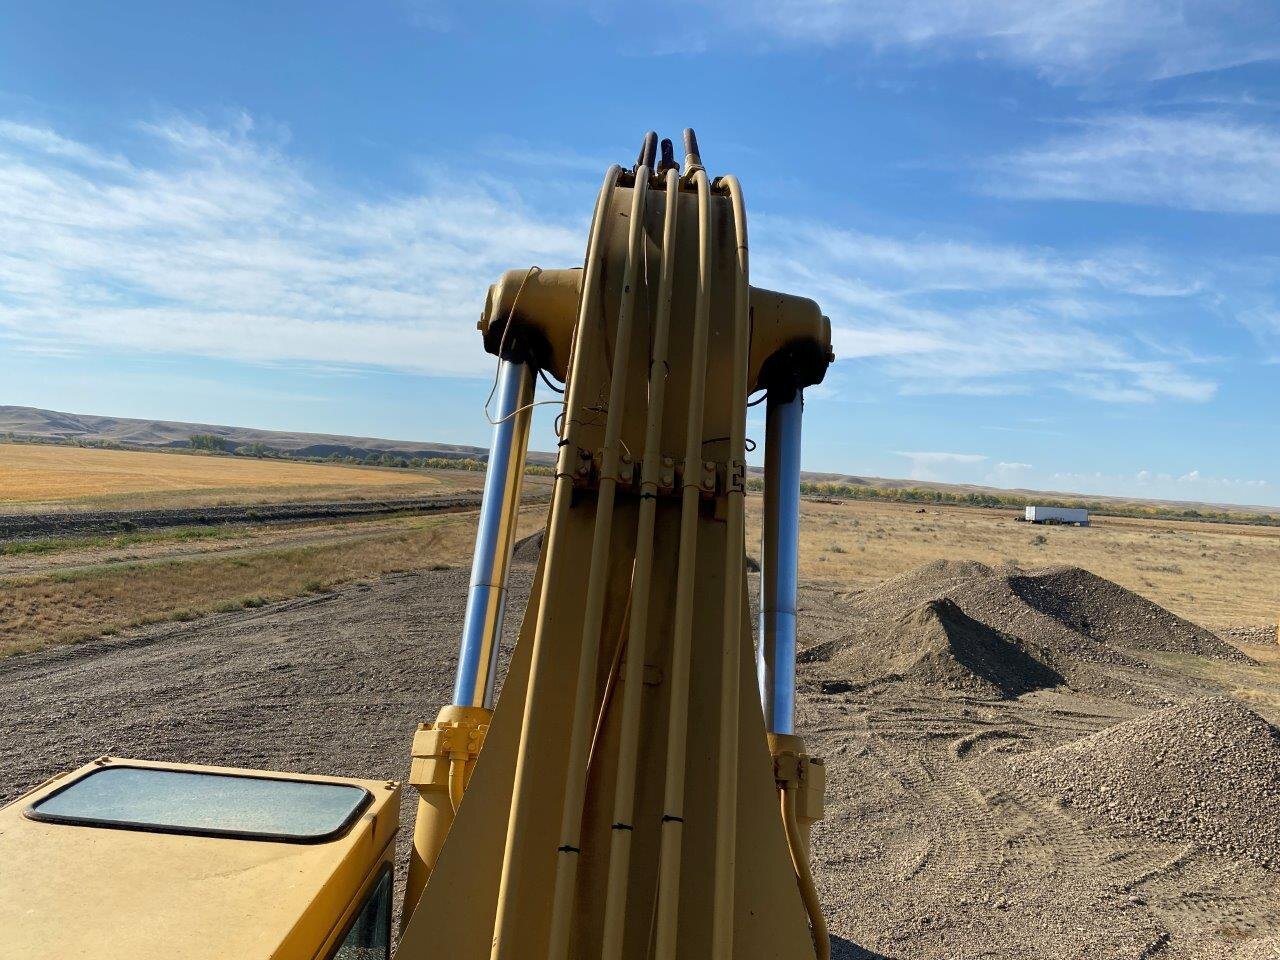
[791, 765]
[458, 734]
[713, 476]
[735, 480]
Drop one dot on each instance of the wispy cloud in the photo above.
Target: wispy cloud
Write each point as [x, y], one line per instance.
[942, 316]
[211, 241]
[1070, 40]
[1208, 163]
[1190, 485]
[220, 245]
[932, 465]
[1263, 321]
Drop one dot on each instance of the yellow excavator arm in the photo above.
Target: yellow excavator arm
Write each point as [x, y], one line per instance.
[628, 796]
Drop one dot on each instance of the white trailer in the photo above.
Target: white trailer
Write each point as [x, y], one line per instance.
[1069, 515]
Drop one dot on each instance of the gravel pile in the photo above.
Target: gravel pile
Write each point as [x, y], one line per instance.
[1207, 772]
[939, 645]
[1047, 627]
[919, 585]
[1108, 613]
[528, 549]
[995, 601]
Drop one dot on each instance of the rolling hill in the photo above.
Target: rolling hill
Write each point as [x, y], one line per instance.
[52, 426]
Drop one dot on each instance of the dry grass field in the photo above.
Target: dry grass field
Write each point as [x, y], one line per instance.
[36, 477]
[69, 604]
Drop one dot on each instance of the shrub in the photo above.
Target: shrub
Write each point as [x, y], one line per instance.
[209, 441]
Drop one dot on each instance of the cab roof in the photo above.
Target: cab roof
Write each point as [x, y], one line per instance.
[128, 858]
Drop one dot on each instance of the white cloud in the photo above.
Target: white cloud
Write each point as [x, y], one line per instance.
[1264, 323]
[932, 465]
[1207, 163]
[222, 246]
[1193, 485]
[46, 141]
[943, 316]
[218, 244]
[1068, 40]
[1008, 472]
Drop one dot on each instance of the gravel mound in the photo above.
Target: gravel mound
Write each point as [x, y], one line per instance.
[939, 645]
[528, 549]
[920, 585]
[1207, 772]
[1110, 614]
[1053, 625]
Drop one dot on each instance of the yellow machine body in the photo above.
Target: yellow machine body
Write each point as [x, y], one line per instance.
[69, 890]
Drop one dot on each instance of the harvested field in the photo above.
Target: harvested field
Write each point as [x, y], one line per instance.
[38, 478]
[946, 834]
[1218, 575]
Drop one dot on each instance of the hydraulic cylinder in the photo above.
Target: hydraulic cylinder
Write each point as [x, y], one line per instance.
[495, 537]
[776, 656]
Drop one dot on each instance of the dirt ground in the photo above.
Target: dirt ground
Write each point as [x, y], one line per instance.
[936, 844]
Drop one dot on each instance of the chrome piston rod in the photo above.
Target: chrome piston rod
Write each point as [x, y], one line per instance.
[776, 658]
[495, 538]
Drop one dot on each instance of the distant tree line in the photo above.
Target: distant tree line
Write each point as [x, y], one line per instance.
[213, 444]
[210, 442]
[849, 491]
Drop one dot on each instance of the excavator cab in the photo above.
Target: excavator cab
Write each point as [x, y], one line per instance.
[628, 797]
[129, 859]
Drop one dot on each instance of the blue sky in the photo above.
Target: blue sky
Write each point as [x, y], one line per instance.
[1046, 234]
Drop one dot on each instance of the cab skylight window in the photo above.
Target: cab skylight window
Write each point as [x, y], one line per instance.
[181, 801]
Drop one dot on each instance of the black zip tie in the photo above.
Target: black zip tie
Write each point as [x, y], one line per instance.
[668, 818]
[623, 826]
[569, 849]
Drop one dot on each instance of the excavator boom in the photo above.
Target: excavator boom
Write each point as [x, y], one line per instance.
[629, 800]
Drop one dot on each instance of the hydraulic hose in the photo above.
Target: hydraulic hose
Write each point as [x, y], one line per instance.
[457, 780]
[508, 934]
[569, 850]
[615, 901]
[669, 855]
[734, 569]
[804, 873]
